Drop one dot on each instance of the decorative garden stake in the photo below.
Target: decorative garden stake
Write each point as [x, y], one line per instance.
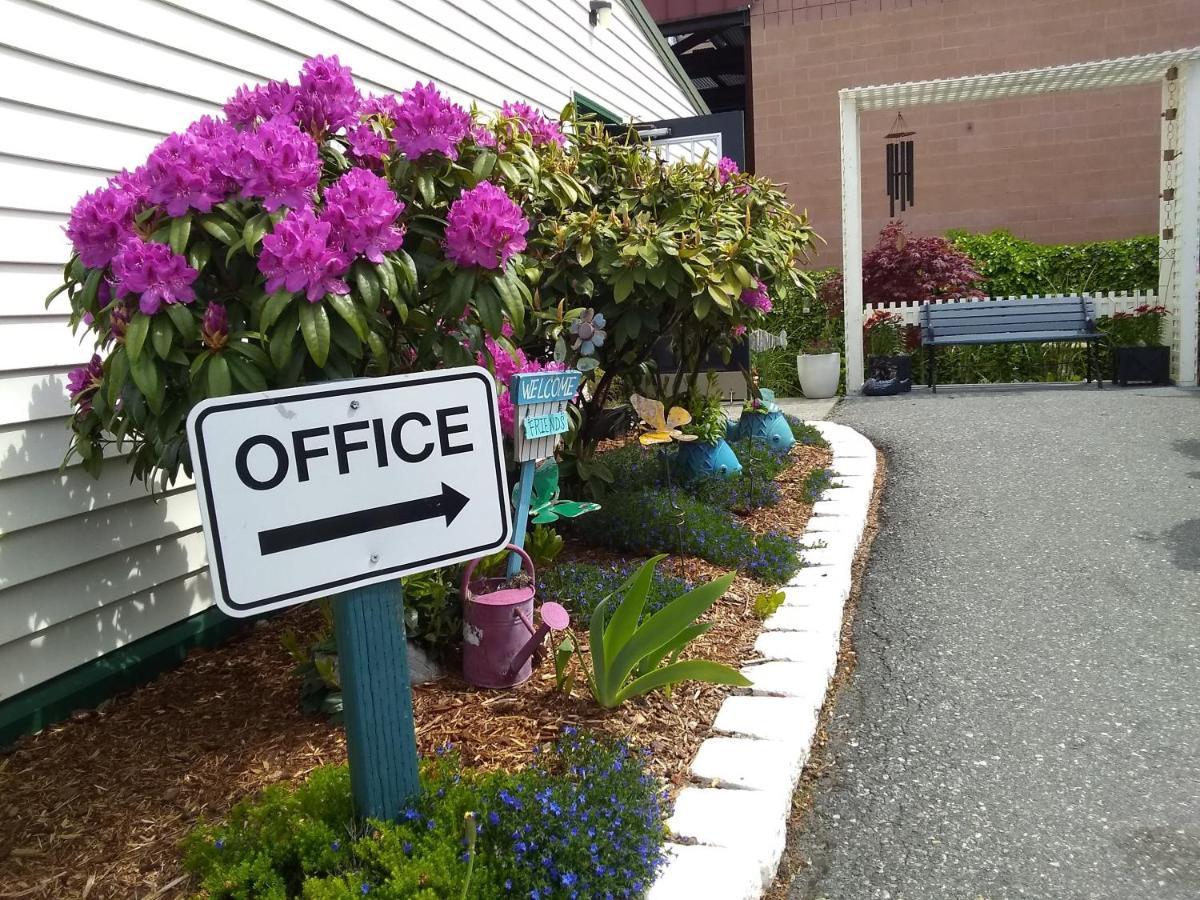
[663, 429]
[541, 400]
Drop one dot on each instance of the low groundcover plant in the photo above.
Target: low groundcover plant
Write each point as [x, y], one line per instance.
[584, 820]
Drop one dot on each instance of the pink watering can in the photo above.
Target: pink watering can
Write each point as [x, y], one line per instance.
[499, 639]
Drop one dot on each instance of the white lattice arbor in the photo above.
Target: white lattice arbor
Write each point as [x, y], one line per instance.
[1179, 73]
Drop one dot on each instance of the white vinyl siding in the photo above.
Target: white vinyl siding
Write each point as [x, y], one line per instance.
[88, 88]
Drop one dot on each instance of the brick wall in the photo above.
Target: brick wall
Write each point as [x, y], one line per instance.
[1066, 167]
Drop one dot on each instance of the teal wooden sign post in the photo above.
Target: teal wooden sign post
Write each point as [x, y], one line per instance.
[541, 400]
[381, 737]
[340, 489]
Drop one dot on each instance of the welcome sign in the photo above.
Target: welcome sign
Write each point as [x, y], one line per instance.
[541, 400]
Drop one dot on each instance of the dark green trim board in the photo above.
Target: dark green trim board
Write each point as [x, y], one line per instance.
[586, 105]
[93, 682]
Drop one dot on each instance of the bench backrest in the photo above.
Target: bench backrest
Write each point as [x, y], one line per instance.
[1047, 315]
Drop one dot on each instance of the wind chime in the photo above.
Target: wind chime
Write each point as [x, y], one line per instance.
[899, 166]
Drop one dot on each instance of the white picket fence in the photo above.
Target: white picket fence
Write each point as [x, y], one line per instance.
[1105, 304]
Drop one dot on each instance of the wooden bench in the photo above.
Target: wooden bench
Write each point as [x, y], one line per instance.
[1070, 319]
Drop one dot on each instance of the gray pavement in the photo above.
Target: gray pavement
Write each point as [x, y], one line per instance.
[1024, 719]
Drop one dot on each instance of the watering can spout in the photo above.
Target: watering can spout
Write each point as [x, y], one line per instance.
[554, 618]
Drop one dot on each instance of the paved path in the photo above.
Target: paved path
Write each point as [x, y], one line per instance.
[1024, 720]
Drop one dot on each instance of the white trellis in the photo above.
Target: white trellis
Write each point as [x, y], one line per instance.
[1179, 220]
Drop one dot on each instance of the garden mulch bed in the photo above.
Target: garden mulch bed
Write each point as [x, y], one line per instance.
[94, 808]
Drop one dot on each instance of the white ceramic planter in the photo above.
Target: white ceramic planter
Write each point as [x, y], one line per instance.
[819, 374]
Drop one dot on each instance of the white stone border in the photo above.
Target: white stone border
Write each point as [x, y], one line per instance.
[730, 833]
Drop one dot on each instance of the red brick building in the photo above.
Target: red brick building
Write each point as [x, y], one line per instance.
[1069, 167]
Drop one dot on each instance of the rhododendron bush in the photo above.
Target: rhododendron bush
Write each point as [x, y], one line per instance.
[313, 233]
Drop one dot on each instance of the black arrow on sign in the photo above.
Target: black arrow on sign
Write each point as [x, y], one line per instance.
[448, 503]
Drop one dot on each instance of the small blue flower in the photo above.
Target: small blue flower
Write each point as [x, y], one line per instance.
[365, 888]
[335, 846]
[219, 843]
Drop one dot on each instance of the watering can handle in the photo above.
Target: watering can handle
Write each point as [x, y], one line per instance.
[470, 569]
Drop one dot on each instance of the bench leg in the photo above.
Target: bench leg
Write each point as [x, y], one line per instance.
[1094, 358]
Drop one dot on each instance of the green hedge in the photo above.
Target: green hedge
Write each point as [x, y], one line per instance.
[1012, 266]
[801, 316]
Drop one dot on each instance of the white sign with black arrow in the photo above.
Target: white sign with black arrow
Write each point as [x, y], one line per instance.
[312, 491]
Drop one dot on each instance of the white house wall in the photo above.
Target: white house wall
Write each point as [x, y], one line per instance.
[88, 88]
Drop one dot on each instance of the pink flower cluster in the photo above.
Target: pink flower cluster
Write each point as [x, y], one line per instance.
[278, 163]
[155, 272]
[311, 254]
[506, 365]
[726, 169]
[532, 121]
[301, 254]
[427, 122]
[100, 223]
[82, 383]
[362, 210]
[484, 227]
[325, 101]
[756, 298]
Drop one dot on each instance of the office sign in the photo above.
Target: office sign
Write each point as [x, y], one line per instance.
[315, 490]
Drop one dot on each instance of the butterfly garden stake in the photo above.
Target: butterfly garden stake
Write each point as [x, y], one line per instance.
[663, 428]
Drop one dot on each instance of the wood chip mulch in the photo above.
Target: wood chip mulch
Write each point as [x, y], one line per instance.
[94, 808]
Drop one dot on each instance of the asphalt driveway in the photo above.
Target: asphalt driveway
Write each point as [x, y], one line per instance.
[1024, 719]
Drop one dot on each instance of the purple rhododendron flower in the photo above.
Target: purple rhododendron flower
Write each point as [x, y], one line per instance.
[726, 169]
[385, 106]
[187, 170]
[756, 297]
[366, 144]
[298, 255]
[327, 98]
[155, 272]
[483, 135]
[484, 227]
[532, 121]
[362, 211]
[261, 103]
[100, 223]
[214, 326]
[427, 122]
[279, 163]
[82, 383]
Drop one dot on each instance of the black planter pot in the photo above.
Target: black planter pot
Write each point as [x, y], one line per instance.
[888, 368]
[1144, 364]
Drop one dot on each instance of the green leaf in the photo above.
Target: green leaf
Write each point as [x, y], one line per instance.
[368, 287]
[651, 662]
[378, 351]
[219, 228]
[487, 305]
[181, 316]
[345, 307]
[87, 300]
[314, 326]
[116, 371]
[181, 228]
[252, 352]
[625, 620]
[599, 674]
[219, 384]
[145, 374]
[235, 248]
[572, 509]
[664, 625]
[406, 271]
[387, 279]
[623, 286]
[199, 254]
[282, 343]
[512, 301]
[162, 333]
[135, 335]
[425, 186]
[688, 670]
[583, 252]
[244, 373]
[274, 307]
[509, 171]
[254, 229]
[484, 163]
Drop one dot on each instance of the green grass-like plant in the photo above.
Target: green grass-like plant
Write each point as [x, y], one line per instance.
[627, 652]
